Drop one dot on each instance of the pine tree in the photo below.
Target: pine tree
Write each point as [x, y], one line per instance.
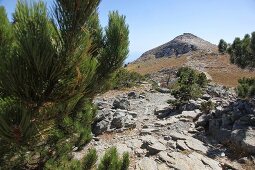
[252, 44]
[242, 52]
[222, 46]
[52, 65]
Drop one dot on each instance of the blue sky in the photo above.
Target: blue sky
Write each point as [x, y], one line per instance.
[153, 23]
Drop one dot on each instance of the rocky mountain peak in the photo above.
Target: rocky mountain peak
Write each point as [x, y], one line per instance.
[180, 45]
[185, 36]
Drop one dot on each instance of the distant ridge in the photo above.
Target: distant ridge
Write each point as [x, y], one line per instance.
[180, 45]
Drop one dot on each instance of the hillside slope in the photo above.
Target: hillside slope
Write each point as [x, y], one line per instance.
[202, 56]
[182, 44]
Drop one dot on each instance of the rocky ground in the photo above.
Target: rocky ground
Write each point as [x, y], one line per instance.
[158, 137]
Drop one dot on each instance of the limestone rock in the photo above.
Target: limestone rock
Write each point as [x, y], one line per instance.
[190, 161]
[191, 114]
[146, 164]
[156, 148]
[166, 122]
[122, 148]
[196, 145]
[178, 136]
[181, 144]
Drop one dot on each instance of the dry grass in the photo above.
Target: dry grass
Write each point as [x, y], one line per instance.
[219, 67]
[229, 79]
[154, 65]
[228, 74]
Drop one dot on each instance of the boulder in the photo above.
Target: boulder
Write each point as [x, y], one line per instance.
[132, 95]
[190, 161]
[196, 145]
[162, 111]
[191, 105]
[122, 148]
[244, 139]
[206, 97]
[156, 148]
[181, 145]
[178, 136]
[191, 114]
[103, 114]
[100, 127]
[140, 152]
[203, 120]
[121, 104]
[129, 121]
[148, 140]
[118, 120]
[146, 164]
[134, 143]
[122, 119]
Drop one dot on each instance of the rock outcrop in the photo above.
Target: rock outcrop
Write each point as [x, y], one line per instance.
[158, 136]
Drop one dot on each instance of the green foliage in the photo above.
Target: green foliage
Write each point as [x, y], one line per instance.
[246, 88]
[111, 161]
[206, 107]
[202, 80]
[64, 164]
[252, 43]
[89, 161]
[52, 65]
[125, 161]
[242, 52]
[15, 122]
[125, 79]
[222, 46]
[6, 36]
[189, 85]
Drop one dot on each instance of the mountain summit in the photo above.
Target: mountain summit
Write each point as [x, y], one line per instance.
[180, 45]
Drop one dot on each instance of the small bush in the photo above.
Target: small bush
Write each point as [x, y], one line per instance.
[206, 107]
[246, 88]
[111, 161]
[89, 161]
[125, 79]
[63, 164]
[202, 80]
[189, 85]
[187, 92]
[125, 161]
